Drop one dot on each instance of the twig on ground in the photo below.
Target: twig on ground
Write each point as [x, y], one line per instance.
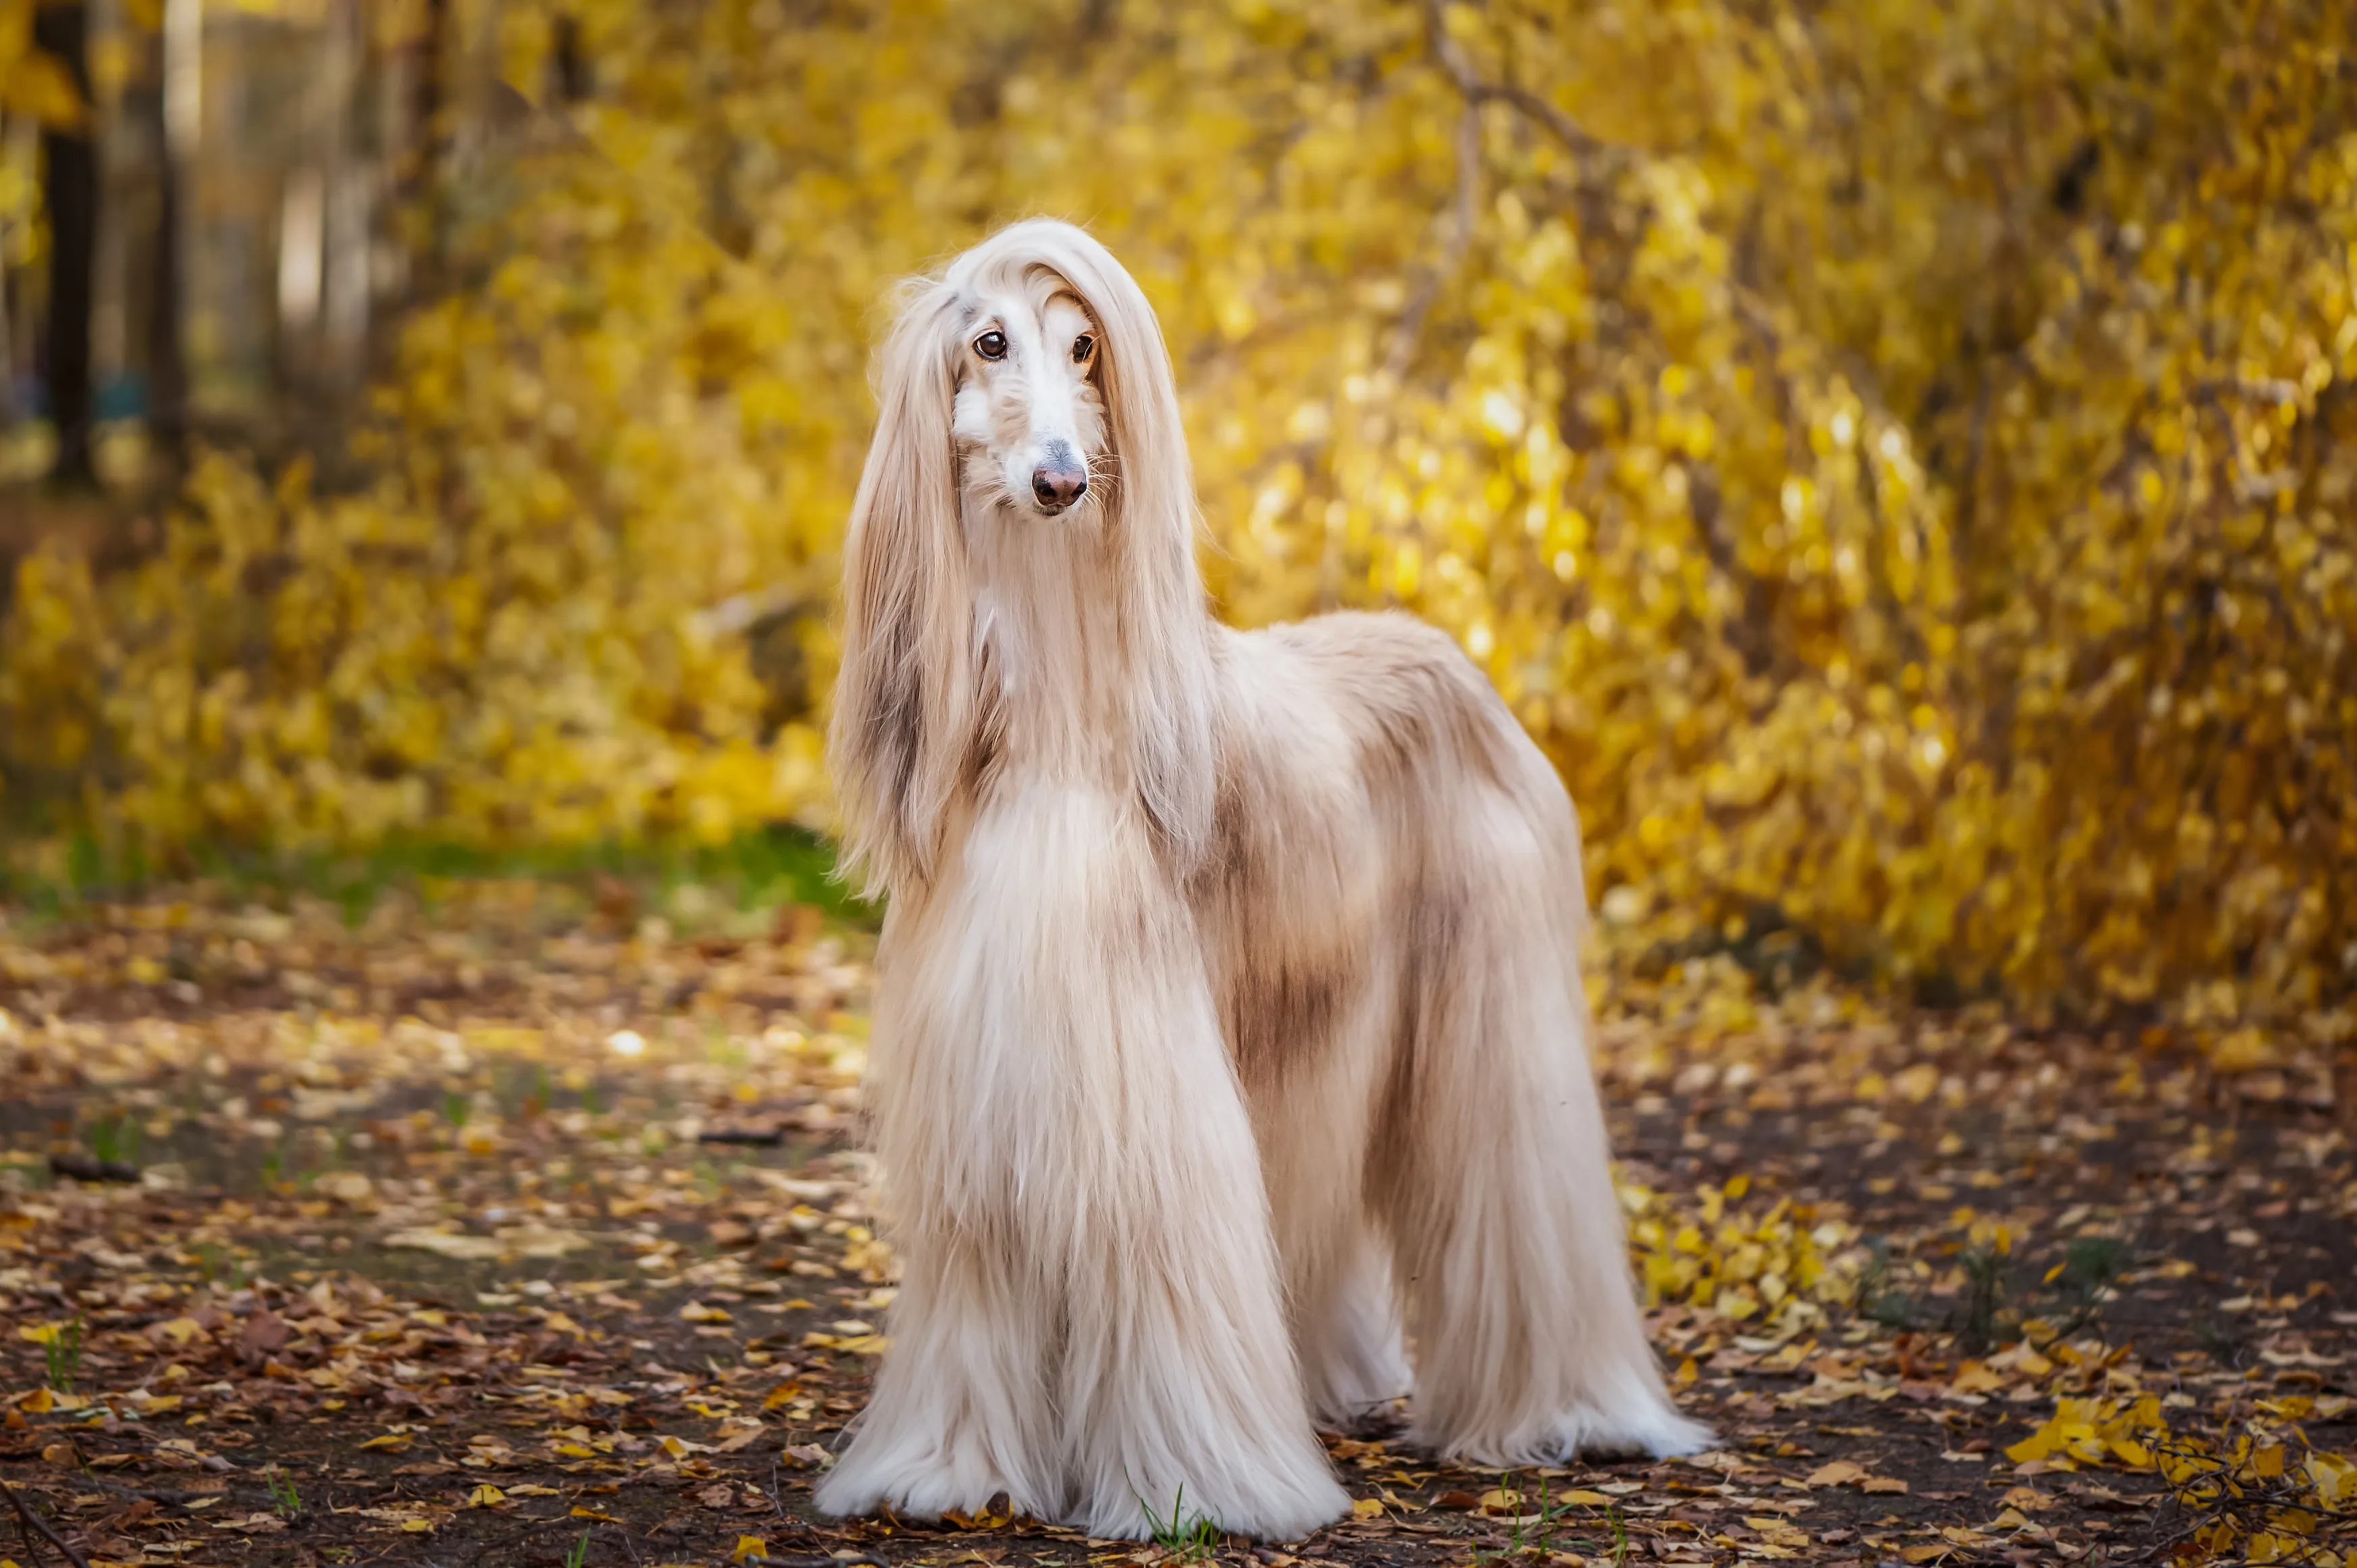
[89, 1167]
[762, 1137]
[28, 1517]
[169, 1496]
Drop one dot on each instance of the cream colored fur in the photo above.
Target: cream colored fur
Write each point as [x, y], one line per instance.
[1230, 1035]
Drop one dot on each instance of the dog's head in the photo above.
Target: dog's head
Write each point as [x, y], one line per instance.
[1028, 416]
[1040, 358]
[1029, 381]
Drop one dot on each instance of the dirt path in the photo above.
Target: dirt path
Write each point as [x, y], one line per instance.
[504, 1230]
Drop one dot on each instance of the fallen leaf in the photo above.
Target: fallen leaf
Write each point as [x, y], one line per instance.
[446, 1244]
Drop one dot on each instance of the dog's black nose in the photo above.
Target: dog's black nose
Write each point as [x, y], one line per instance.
[1059, 487]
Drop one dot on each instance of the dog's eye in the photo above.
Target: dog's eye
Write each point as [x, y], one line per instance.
[991, 345]
[1082, 346]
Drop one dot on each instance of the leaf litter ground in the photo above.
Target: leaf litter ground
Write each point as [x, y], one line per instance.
[514, 1225]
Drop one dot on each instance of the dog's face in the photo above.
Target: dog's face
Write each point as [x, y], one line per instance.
[1029, 420]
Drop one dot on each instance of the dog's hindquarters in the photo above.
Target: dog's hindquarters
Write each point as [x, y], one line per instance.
[1495, 1182]
[1391, 836]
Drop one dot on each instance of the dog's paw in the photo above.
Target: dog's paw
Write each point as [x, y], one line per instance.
[1660, 1433]
[1368, 1423]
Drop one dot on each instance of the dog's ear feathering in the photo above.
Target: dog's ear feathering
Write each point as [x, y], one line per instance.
[904, 699]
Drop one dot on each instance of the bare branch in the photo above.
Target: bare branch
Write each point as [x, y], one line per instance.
[1476, 91]
[2263, 389]
[1463, 207]
[1466, 198]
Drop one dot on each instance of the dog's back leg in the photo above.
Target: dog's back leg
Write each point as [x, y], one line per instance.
[1347, 1328]
[1310, 1103]
[1491, 1164]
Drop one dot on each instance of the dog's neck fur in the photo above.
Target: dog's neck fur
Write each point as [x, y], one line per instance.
[1049, 651]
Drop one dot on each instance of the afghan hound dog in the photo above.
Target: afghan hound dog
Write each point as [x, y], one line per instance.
[1229, 1053]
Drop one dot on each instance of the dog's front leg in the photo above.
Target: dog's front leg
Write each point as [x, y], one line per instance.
[1092, 1286]
[956, 1418]
[1180, 1389]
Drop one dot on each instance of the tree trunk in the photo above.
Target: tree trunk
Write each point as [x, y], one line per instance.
[167, 371]
[430, 115]
[70, 192]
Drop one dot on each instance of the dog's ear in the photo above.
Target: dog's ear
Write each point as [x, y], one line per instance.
[904, 707]
[1150, 512]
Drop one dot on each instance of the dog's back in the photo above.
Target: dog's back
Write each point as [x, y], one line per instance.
[1357, 752]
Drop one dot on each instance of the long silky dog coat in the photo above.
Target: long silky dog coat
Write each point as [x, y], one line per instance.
[1229, 1018]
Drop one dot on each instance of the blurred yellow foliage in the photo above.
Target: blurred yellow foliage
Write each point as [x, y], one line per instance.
[36, 88]
[1888, 454]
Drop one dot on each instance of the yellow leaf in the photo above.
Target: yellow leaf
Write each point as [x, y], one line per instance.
[1367, 1507]
[1973, 1378]
[749, 1546]
[485, 1496]
[1915, 1085]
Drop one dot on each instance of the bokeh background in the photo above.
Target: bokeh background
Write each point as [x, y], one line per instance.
[1896, 457]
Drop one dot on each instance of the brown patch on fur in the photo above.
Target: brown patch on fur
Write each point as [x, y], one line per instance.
[1278, 1014]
